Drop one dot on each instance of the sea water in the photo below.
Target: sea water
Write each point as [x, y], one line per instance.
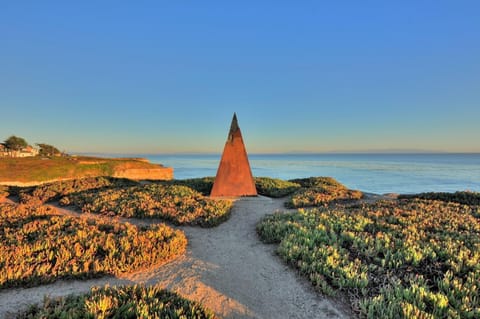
[375, 173]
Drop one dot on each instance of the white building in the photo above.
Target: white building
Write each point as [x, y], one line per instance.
[28, 151]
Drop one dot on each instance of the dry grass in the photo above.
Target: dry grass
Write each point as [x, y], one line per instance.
[38, 169]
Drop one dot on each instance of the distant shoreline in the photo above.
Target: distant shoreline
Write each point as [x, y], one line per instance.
[375, 173]
[130, 155]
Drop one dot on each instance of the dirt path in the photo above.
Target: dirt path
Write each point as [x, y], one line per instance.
[226, 268]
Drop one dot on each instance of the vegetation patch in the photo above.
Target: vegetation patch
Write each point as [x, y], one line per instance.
[54, 191]
[37, 246]
[266, 186]
[319, 181]
[4, 191]
[466, 198]
[43, 169]
[276, 188]
[320, 191]
[120, 302]
[178, 204]
[203, 185]
[406, 259]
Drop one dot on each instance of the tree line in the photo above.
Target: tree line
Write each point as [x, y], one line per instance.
[15, 144]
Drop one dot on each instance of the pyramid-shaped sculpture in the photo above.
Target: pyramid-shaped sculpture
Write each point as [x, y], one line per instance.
[234, 176]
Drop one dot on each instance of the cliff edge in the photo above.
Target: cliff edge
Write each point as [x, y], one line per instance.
[39, 170]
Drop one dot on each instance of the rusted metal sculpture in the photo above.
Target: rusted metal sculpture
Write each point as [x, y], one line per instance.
[234, 176]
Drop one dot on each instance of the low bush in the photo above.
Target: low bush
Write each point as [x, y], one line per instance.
[203, 185]
[320, 191]
[120, 302]
[466, 198]
[37, 246]
[411, 259]
[276, 188]
[54, 191]
[265, 186]
[319, 181]
[178, 204]
[319, 197]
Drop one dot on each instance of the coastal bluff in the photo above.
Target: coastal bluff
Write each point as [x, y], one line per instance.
[160, 173]
[37, 170]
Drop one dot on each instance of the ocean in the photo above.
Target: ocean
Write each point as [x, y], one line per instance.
[375, 173]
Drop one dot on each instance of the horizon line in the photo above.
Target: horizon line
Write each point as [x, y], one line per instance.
[283, 153]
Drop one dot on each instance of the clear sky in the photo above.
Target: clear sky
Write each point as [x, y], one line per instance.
[166, 76]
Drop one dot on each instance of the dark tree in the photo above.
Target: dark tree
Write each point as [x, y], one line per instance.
[15, 143]
[48, 150]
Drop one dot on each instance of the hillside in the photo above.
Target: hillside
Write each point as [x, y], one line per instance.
[35, 170]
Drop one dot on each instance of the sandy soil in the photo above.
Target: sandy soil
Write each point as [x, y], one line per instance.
[226, 268]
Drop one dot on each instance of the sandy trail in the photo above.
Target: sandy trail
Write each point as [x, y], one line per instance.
[226, 268]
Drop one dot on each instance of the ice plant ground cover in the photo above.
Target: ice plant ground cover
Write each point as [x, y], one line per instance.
[174, 201]
[266, 186]
[395, 259]
[41, 194]
[276, 188]
[409, 258]
[320, 191]
[178, 204]
[177, 201]
[120, 302]
[466, 198]
[38, 246]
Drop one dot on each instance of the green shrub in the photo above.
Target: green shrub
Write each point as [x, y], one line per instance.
[178, 204]
[54, 191]
[406, 259]
[318, 197]
[120, 302]
[319, 181]
[466, 198]
[320, 191]
[37, 246]
[203, 185]
[273, 228]
[265, 186]
[276, 188]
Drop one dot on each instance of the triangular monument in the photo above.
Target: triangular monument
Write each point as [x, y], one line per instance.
[234, 176]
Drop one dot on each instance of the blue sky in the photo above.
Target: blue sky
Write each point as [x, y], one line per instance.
[166, 76]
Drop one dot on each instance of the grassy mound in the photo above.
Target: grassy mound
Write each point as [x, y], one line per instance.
[120, 302]
[54, 191]
[41, 169]
[39, 247]
[319, 191]
[466, 198]
[265, 186]
[320, 181]
[178, 204]
[412, 259]
[273, 187]
[203, 185]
